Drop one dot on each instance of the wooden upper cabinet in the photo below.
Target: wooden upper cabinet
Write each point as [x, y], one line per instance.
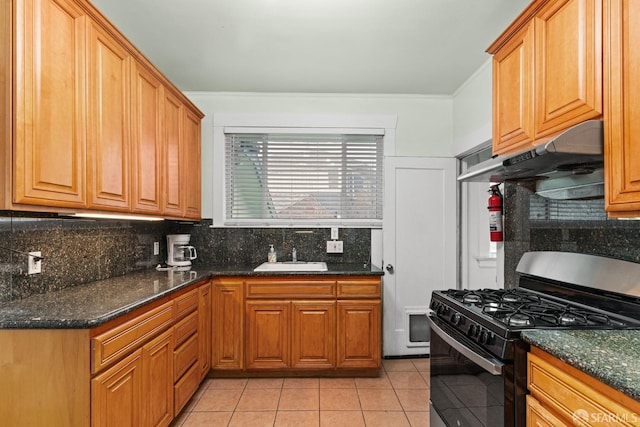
[81, 118]
[191, 184]
[108, 122]
[568, 64]
[50, 126]
[513, 93]
[147, 93]
[622, 108]
[547, 73]
[172, 202]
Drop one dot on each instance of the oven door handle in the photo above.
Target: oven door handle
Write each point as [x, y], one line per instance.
[494, 367]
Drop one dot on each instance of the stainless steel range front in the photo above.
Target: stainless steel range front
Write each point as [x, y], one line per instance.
[478, 360]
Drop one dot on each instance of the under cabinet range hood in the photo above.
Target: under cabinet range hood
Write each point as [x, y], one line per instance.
[571, 159]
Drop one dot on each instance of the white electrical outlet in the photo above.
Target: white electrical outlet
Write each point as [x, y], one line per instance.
[156, 248]
[334, 247]
[35, 263]
[334, 233]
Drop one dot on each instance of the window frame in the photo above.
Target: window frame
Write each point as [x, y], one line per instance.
[270, 123]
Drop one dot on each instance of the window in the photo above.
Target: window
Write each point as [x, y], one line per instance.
[289, 178]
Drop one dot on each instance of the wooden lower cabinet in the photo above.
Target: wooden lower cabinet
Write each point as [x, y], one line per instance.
[157, 378]
[296, 323]
[157, 381]
[358, 334]
[268, 334]
[116, 394]
[539, 416]
[204, 328]
[121, 373]
[227, 324]
[313, 325]
[561, 395]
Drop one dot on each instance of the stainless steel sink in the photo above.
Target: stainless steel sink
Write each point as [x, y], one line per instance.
[292, 266]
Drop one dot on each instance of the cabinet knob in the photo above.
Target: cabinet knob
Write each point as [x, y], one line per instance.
[390, 268]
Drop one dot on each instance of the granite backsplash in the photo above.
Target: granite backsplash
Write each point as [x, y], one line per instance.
[78, 251]
[535, 224]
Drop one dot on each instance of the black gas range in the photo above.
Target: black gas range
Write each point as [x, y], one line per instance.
[478, 360]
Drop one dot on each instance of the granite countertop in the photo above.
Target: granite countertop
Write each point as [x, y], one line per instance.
[611, 356]
[92, 304]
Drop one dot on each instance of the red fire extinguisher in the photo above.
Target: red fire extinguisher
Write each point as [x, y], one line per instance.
[495, 214]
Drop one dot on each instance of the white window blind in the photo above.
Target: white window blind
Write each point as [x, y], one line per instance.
[271, 177]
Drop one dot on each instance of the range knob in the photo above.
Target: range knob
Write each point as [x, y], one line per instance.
[456, 319]
[484, 336]
[472, 331]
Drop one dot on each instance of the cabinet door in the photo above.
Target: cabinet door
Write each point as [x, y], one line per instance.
[108, 122]
[513, 93]
[358, 326]
[146, 102]
[204, 328]
[313, 334]
[50, 128]
[116, 394]
[622, 108]
[191, 164]
[227, 325]
[172, 139]
[268, 334]
[157, 368]
[568, 64]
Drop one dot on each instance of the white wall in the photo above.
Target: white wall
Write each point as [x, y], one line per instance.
[472, 111]
[424, 122]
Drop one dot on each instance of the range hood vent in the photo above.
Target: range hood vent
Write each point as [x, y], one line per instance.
[568, 166]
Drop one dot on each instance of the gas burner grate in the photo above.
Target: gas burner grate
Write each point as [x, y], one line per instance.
[547, 314]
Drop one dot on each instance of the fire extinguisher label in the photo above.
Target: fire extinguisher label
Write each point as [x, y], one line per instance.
[495, 221]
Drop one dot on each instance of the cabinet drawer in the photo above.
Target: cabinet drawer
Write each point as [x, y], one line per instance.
[290, 288]
[185, 388]
[186, 303]
[185, 356]
[122, 340]
[538, 416]
[571, 393]
[185, 328]
[359, 288]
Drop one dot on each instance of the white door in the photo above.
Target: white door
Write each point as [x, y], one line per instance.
[419, 244]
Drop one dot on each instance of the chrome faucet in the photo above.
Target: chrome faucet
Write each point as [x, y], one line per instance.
[294, 255]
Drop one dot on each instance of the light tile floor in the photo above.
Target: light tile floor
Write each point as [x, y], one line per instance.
[399, 396]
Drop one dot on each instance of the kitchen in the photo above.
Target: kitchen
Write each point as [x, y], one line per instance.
[102, 250]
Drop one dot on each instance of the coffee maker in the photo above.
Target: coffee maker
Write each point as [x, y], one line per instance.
[179, 252]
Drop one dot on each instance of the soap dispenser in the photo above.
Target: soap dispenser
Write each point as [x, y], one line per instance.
[272, 257]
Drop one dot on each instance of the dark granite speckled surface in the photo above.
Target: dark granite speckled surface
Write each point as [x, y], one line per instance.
[613, 357]
[94, 303]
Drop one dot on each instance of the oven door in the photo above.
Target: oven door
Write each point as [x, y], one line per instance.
[467, 383]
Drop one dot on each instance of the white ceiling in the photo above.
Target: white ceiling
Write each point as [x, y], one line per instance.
[314, 46]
